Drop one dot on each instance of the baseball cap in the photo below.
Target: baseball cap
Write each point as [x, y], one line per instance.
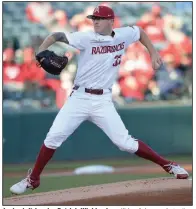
[102, 11]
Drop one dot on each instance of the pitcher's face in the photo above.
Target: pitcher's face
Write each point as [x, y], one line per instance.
[102, 25]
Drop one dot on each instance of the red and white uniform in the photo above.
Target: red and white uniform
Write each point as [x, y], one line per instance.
[98, 65]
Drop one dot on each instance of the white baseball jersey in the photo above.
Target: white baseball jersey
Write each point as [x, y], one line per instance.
[100, 56]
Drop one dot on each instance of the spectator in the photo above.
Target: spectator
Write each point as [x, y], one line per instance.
[12, 73]
[13, 76]
[38, 11]
[130, 89]
[80, 22]
[29, 66]
[152, 23]
[57, 21]
[174, 35]
[169, 79]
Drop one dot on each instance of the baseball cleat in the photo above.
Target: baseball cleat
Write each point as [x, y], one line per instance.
[24, 185]
[176, 170]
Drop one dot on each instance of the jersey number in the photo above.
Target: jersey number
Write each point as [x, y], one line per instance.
[117, 60]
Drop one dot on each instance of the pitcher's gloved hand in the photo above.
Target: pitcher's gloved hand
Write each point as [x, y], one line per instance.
[51, 62]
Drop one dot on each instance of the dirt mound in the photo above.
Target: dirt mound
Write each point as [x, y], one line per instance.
[159, 191]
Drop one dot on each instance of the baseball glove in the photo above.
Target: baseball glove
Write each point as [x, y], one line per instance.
[51, 62]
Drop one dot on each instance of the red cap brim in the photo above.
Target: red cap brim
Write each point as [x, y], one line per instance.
[92, 16]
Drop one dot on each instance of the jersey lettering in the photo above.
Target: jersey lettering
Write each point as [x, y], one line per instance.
[108, 49]
[117, 60]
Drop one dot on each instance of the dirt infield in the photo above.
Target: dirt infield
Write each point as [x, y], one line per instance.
[158, 191]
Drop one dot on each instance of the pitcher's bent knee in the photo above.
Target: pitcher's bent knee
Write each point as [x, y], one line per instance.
[128, 144]
[53, 141]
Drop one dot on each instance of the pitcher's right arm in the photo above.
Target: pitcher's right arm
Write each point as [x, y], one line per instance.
[51, 39]
[78, 40]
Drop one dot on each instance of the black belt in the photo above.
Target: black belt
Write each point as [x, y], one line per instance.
[90, 91]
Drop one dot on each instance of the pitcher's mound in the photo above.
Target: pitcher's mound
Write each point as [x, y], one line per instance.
[159, 191]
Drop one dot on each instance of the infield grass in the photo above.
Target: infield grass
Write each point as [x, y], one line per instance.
[70, 165]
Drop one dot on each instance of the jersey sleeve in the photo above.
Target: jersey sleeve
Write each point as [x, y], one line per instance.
[78, 40]
[130, 34]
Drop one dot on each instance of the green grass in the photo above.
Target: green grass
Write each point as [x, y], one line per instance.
[65, 182]
[72, 165]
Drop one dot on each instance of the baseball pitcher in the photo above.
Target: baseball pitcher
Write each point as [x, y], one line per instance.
[100, 56]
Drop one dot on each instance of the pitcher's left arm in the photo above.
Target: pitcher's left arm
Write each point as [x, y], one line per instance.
[155, 57]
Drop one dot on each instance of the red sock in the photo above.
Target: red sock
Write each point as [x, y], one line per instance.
[147, 153]
[44, 156]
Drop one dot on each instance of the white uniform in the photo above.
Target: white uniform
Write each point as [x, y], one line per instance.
[98, 65]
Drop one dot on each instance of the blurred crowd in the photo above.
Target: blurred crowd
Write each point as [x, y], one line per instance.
[27, 85]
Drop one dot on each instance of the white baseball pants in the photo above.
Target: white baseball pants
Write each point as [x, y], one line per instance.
[98, 109]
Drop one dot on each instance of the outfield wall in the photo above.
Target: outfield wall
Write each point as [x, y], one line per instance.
[168, 130]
